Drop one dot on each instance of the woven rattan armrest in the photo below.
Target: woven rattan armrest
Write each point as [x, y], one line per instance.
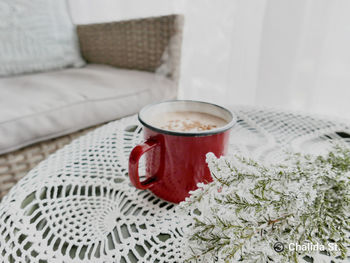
[151, 44]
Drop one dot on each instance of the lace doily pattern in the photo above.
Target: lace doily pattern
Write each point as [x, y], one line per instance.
[79, 206]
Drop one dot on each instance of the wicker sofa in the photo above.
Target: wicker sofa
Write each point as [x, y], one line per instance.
[148, 45]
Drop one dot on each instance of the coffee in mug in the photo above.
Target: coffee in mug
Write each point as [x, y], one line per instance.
[187, 121]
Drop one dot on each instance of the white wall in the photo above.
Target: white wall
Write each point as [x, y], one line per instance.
[280, 53]
[305, 56]
[93, 11]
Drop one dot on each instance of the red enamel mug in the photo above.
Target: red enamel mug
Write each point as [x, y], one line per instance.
[175, 161]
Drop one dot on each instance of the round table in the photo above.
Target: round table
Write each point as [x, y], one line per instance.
[79, 206]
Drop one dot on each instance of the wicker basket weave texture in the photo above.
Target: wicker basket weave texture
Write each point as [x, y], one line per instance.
[142, 44]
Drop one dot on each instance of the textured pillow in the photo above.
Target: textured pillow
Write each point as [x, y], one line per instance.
[36, 35]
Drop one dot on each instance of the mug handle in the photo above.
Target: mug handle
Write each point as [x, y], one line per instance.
[134, 158]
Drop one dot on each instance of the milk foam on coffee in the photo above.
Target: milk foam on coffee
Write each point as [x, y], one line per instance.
[187, 121]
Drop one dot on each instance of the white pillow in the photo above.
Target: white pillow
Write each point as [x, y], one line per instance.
[36, 35]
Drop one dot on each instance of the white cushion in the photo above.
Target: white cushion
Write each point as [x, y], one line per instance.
[36, 35]
[46, 105]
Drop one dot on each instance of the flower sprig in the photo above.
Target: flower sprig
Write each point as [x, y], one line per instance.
[250, 207]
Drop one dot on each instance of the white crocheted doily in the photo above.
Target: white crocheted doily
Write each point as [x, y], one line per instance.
[79, 206]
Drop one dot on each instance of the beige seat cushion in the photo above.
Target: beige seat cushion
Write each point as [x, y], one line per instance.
[46, 105]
